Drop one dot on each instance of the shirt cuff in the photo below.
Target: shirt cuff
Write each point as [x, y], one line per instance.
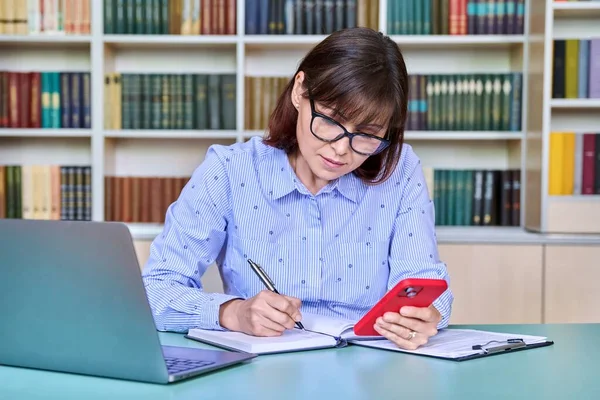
[208, 312]
[444, 305]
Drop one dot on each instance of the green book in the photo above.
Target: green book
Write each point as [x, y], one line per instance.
[446, 107]
[459, 197]
[17, 192]
[228, 101]
[188, 101]
[201, 102]
[214, 101]
[488, 93]
[478, 102]
[468, 197]
[126, 101]
[156, 100]
[55, 100]
[146, 98]
[506, 102]
[437, 194]
[165, 111]
[497, 102]
[109, 16]
[451, 197]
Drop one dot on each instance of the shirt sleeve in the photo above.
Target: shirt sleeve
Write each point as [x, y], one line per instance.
[192, 238]
[413, 252]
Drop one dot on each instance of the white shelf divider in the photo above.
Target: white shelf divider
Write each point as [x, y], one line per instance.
[45, 133]
[170, 134]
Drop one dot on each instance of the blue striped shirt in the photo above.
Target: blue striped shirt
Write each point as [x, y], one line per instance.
[338, 251]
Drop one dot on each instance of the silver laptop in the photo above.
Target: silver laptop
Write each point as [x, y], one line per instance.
[72, 299]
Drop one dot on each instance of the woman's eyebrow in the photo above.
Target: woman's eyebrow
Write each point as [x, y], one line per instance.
[337, 113]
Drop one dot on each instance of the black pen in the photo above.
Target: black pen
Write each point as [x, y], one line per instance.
[262, 275]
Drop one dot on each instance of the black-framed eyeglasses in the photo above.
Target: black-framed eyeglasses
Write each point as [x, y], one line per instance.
[329, 130]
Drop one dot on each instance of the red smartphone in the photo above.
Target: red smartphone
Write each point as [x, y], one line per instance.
[408, 292]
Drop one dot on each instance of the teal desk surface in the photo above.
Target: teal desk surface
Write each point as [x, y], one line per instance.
[569, 369]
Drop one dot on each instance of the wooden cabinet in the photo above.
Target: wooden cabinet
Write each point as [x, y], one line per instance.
[504, 283]
[572, 282]
[495, 283]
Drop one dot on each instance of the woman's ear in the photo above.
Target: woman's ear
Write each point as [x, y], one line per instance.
[297, 89]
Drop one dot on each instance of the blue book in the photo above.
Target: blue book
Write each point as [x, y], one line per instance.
[583, 69]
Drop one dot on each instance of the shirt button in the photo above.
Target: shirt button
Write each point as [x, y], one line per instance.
[321, 259]
[303, 281]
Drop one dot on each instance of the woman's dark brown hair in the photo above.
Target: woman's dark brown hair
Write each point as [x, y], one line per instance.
[361, 73]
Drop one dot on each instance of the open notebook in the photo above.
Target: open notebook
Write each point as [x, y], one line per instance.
[321, 332]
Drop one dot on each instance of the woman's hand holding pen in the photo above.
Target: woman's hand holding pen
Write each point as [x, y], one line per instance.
[411, 327]
[266, 314]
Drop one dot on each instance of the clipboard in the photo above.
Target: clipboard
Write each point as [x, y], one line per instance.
[466, 344]
[510, 345]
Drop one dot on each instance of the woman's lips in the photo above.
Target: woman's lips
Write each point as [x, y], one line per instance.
[331, 163]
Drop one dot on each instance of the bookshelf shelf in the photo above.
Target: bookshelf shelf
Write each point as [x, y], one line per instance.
[171, 134]
[281, 41]
[472, 41]
[441, 135]
[575, 103]
[581, 9]
[463, 234]
[578, 197]
[462, 135]
[135, 41]
[46, 40]
[45, 133]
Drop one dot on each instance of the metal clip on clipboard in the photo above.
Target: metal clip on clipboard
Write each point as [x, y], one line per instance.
[510, 344]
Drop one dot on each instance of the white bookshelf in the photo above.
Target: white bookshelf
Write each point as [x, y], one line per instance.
[576, 9]
[572, 214]
[164, 152]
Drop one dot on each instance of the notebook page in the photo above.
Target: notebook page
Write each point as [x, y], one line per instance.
[454, 343]
[294, 339]
[327, 325]
[333, 326]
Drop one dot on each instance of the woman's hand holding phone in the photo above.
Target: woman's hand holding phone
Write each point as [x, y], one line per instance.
[411, 327]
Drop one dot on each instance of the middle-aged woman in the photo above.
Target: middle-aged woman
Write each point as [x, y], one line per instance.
[332, 204]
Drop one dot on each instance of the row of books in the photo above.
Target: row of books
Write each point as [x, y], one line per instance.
[456, 102]
[45, 99]
[465, 197]
[455, 17]
[54, 192]
[174, 17]
[140, 198]
[465, 102]
[170, 101]
[576, 69]
[308, 17]
[34, 17]
[574, 165]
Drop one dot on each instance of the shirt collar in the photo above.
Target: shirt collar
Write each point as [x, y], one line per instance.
[284, 181]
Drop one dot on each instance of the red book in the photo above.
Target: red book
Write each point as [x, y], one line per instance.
[35, 119]
[24, 99]
[453, 17]
[462, 17]
[13, 100]
[588, 164]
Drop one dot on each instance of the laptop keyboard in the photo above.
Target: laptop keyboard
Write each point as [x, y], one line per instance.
[175, 365]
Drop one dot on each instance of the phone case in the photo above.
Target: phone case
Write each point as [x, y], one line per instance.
[408, 292]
